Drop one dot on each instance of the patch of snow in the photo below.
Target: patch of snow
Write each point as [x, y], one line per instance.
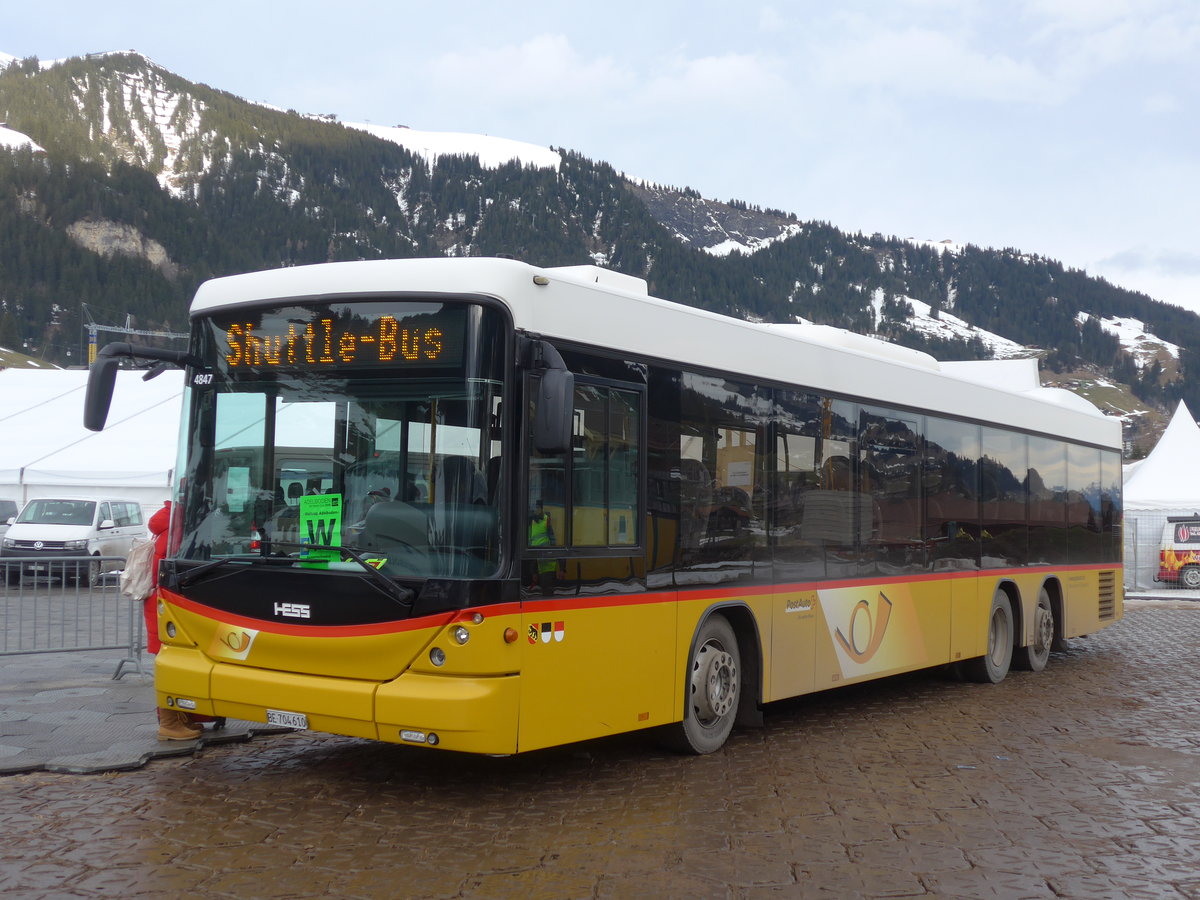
[943, 246]
[492, 152]
[750, 245]
[15, 140]
[950, 327]
[1136, 341]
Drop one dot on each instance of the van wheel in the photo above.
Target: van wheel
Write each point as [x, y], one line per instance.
[12, 575]
[993, 665]
[714, 684]
[87, 574]
[1190, 577]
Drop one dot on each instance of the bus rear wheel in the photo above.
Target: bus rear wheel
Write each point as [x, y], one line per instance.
[713, 687]
[1034, 655]
[993, 665]
[1190, 577]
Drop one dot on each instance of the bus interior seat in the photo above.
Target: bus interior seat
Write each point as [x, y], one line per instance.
[394, 523]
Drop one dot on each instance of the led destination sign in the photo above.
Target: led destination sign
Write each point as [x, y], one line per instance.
[361, 335]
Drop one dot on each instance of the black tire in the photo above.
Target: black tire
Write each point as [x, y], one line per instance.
[86, 574]
[12, 575]
[994, 664]
[713, 686]
[1190, 578]
[1034, 655]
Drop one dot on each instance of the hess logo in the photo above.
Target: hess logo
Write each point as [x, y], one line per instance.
[866, 634]
[293, 610]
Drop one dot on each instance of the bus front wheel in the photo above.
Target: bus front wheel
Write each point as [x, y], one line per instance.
[993, 665]
[713, 688]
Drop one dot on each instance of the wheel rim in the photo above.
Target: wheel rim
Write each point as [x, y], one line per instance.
[714, 683]
[1043, 628]
[998, 638]
[1191, 577]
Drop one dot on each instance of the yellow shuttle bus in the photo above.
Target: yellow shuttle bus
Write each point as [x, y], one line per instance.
[482, 506]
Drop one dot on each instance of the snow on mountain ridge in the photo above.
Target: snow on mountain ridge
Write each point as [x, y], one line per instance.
[942, 246]
[492, 152]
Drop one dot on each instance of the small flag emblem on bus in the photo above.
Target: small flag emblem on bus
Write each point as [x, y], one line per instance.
[548, 631]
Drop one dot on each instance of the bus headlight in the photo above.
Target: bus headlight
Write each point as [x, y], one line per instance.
[437, 656]
[461, 635]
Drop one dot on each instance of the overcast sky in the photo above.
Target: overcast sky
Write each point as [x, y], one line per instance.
[1065, 128]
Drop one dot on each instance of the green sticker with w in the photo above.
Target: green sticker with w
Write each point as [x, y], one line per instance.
[320, 524]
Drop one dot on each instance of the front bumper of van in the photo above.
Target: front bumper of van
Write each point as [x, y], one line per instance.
[30, 560]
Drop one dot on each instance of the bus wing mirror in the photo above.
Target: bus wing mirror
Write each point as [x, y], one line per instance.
[555, 411]
[555, 407]
[102, 377]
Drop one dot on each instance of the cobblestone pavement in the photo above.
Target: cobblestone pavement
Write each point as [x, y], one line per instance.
[1082, 782]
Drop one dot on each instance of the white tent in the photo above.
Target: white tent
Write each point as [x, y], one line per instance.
[46, 451]
[1166, 483]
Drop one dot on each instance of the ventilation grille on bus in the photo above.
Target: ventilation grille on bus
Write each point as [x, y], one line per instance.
[1108, 594]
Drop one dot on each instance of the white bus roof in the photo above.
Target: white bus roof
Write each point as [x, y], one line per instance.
[595, 306]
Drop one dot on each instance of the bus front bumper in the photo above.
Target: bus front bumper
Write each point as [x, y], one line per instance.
[469, 714]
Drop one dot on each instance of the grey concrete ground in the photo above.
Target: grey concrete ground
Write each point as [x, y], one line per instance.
[64, 712]
[1081, 782]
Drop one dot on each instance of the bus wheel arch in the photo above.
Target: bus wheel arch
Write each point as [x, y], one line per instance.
[1000, 628]
[1046, 629]
[720, 682]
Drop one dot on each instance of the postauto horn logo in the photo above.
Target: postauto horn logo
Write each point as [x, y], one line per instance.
[866, 637]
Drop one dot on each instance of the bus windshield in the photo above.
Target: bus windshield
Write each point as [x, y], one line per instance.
[364, 426]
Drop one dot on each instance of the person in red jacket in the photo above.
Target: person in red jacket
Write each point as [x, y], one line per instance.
[173, 724]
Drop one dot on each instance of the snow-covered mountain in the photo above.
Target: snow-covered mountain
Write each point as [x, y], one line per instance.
[254, 186]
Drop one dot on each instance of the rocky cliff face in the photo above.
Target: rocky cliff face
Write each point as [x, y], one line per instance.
[115, 238]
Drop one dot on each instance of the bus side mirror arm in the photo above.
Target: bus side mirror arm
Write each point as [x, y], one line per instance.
[555, 408]
[102, 376]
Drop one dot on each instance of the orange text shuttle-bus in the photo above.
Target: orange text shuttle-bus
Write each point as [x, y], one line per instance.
[483, 506]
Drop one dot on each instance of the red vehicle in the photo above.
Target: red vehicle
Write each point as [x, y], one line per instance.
[1179, 558]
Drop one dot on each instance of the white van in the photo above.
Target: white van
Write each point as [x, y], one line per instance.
[58, 528]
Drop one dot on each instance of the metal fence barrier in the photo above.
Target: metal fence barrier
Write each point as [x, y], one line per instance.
[47, 607]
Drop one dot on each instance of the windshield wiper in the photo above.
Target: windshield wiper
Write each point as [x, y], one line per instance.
[402, 595]
[185, 578]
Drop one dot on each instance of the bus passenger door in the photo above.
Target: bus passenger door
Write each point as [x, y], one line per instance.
[798, 557]
[599, 649]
